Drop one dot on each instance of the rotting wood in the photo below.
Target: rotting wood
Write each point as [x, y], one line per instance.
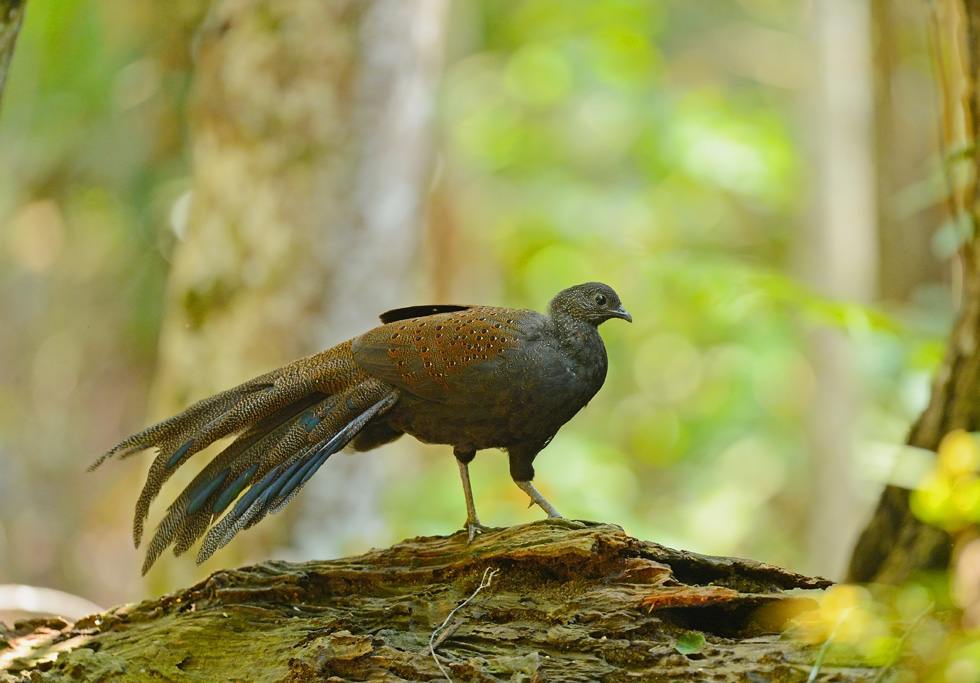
[570, 602]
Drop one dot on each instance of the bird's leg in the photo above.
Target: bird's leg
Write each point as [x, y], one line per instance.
[553, 515]
[473, 525]
[528, 488]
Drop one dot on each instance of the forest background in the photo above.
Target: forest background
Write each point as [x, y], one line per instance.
[760, 180]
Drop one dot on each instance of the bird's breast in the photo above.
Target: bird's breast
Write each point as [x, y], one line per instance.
[525, 394]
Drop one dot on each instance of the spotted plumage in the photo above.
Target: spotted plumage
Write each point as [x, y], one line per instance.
[472, 377]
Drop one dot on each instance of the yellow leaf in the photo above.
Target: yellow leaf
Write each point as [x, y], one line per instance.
[959, 454]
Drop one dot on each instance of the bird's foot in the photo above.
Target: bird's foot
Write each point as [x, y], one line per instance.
[473, 527]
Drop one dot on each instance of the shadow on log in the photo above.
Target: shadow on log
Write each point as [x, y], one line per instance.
[568, 602]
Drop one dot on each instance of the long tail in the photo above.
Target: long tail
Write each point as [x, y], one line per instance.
[288, 423]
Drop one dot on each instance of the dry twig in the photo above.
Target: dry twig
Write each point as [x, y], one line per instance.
[488, 575]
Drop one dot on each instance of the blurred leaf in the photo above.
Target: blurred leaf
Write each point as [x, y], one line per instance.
[951, 235]
[538, 74]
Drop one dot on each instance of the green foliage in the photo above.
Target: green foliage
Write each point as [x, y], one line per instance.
[612, 140]
[912, 632]
[652, 145]
[948, 495]
[91, 132]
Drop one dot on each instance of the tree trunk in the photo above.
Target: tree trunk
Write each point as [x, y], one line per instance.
[311, 166]
[895, 543]
[907, 259]
[560, 602]
[840, 257]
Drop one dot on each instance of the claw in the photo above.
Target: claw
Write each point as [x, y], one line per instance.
[536, 498]
[474, 527]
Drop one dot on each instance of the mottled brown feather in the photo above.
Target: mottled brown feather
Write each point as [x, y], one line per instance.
[422, 355]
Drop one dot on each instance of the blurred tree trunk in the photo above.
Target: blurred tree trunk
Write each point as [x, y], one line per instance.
[311, 166]
[895, 543]
[841, 260]
[11, 19]
[902, 149]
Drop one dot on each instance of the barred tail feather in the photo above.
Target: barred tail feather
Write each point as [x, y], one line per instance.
[177, 430]
[286, 423]
[283, 482]
[221, 480]
[226, 414]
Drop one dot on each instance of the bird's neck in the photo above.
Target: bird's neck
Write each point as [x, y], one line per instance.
[579, 337]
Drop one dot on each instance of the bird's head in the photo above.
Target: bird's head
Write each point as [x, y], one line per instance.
[593, 302]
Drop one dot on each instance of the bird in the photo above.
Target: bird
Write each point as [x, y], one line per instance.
[471, 377]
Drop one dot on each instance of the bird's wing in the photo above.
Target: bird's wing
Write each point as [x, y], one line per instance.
[419, 311]
[427, 355]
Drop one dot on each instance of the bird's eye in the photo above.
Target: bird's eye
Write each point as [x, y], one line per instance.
[600, 299]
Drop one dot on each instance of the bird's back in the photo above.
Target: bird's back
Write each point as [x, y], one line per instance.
[482, 377]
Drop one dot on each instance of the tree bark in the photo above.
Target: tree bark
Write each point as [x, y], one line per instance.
[561, 602]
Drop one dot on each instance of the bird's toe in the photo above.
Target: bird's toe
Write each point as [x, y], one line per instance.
[473, 529]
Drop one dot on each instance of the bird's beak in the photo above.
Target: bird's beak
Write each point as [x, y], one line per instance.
[622, 313]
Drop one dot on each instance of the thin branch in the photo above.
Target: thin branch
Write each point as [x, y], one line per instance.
[11, 19]
[901, 642]
[826, 646]
[447, 634]
[488, 575]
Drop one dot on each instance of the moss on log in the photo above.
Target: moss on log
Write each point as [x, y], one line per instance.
[568, 602]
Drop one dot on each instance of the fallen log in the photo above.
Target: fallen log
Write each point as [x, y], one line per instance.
[548, 601]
